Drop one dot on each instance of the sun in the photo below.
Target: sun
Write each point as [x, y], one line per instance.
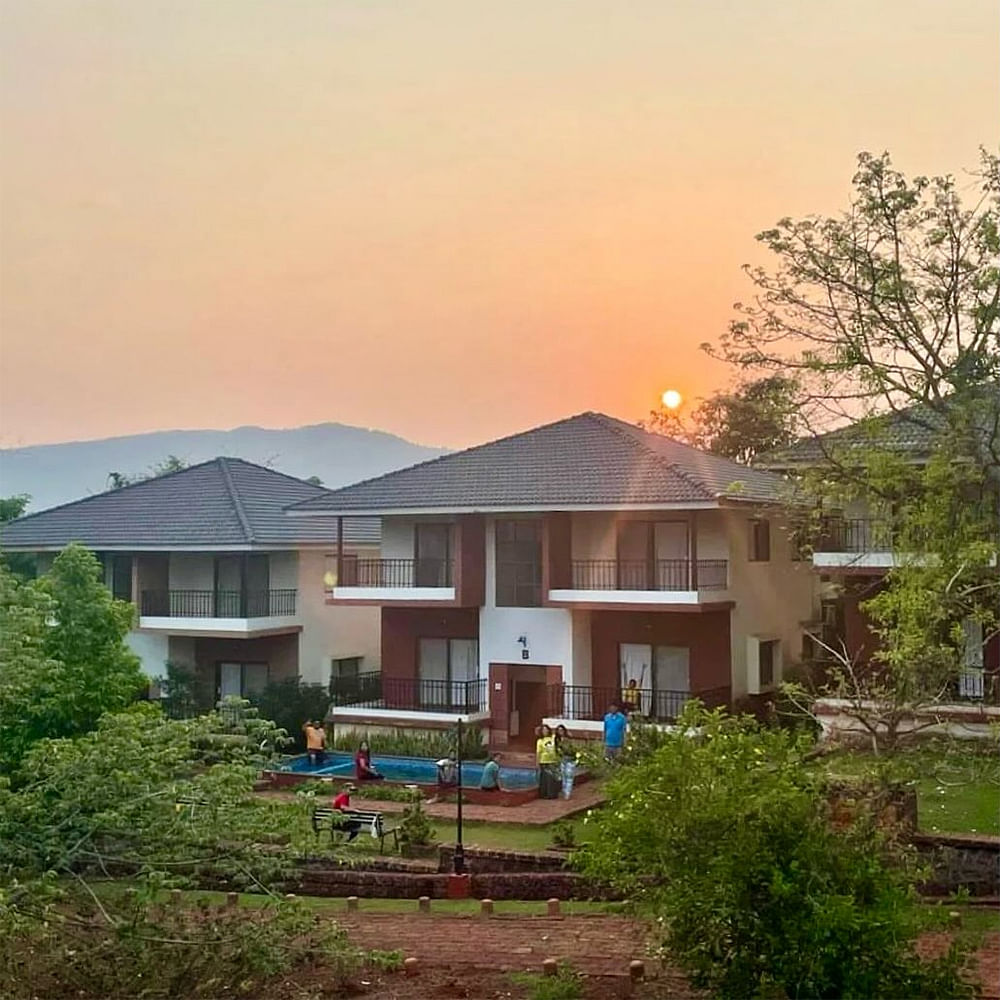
[672, 399]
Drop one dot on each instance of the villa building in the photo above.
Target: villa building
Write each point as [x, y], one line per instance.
[536, 576]
[222, 580]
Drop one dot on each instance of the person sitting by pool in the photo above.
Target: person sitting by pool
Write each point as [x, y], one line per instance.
[490, 781]
[447, 772]
[342, 803]
[363, 769]
[315, 743]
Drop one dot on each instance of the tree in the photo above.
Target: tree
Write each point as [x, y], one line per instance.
[65, 662]
[116, 480]
[13, 507]
[724, 832]
[757, 415]
[894, 302]
[21, 563]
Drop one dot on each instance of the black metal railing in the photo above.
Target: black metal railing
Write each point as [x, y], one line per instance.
[854, 534]
[584, 702]
[641, 574]
[397, 573]
[217, 603]
[372, 690]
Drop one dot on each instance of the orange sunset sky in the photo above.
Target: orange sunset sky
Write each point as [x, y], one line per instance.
[450, 219]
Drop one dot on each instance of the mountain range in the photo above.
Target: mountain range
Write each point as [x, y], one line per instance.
[337, 453]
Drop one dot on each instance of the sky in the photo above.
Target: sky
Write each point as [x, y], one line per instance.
[449, 219]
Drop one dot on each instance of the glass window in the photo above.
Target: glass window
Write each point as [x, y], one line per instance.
[768, 656]
[519, 564]
[432, 545]
[760, 541]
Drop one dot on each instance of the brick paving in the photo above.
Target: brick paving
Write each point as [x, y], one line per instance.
[538, 812]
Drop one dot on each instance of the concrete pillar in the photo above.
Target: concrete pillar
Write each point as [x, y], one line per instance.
[553, 907]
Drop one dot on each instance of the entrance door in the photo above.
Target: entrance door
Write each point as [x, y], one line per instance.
[528, 706]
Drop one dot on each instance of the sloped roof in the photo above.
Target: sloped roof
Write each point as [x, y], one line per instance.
[590, 460]
[912, 432]
[222, 503]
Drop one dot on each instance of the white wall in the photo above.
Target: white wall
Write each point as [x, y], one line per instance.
[549, 631]
[191, 571]
[152, 649]
[330, 632]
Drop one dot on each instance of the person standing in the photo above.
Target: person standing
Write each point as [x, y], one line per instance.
[615, 724]
[567, 760]
[548, 764]
[315, 743]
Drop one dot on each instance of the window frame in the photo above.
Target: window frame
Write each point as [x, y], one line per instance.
[757, 551]
[510, 593]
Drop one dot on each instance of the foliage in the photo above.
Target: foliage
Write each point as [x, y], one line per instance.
[385, 961]
[896, 301]
[758, 415]
[63, 657]
[417, 744]
[185, 691]
[22, 564]
[723, 832]
[117, 480]
[381, 790]
[13, 507]
[566, 984]
[93, 947]
[415, 829]
[290, 703]
[564, 834]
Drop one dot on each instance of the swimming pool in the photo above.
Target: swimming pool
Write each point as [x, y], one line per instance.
[408, 770]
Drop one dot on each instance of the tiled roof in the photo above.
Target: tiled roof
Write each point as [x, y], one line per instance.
[587, 460]
[912, 431]
[225, 502]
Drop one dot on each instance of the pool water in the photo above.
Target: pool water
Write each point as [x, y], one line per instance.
[409, 770]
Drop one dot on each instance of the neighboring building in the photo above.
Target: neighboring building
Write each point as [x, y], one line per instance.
[222, 580]
[854, 549]
[533, 577]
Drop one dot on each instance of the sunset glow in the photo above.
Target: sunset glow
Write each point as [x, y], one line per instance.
[671, 399]
[448, 220]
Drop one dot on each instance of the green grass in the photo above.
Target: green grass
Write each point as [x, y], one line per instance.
[958, 787]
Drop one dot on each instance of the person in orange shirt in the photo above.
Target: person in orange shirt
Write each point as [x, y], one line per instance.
[315, 743]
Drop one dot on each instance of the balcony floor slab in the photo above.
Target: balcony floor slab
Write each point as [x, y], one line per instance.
[230, 628]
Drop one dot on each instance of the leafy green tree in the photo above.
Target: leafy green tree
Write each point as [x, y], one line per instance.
[116, 480]
[13, 507]
[895, 301]
[723, 832]
[21, 563]
[756, 416]
[65, 659]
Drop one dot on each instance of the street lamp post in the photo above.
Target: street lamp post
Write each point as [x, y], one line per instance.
[458, 858]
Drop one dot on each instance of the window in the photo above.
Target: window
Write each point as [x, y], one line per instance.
[241, 679]
[121, 576]
[432, 551]
[662, 678]
[519, 564]
[444, 668]
[760, 541]
[346, 668]
[768, 656]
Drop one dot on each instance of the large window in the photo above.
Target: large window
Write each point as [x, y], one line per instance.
[241, 679]
[444, 668]
[661, 676]
[432, 545]
[519, 564]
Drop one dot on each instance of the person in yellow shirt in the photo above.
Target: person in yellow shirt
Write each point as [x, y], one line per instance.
[315, 743]
[631, 697]
[547, 758]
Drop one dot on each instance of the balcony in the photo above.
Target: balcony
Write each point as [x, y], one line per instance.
[861, 543]
[233, 612]
[583, 703]
[395, 580]
[373, 696]
[660, 581]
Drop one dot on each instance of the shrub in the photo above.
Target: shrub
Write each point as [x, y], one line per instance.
[435, 744]
[566, 984]
[290, 704]
[563, 834]
[415, 829]
[723, 831]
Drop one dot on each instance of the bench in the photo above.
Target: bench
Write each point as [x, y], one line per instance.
[190, 803]
[371, 823]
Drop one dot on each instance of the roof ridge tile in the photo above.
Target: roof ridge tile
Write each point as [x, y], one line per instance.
[241, 514]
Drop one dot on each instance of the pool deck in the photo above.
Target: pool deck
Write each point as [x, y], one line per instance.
[538, 812]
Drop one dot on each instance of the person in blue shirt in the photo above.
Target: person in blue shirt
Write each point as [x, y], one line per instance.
[490, 781]
[615, 724]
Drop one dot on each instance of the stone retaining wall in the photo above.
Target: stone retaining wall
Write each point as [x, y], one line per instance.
[967, 861]
[509, 862]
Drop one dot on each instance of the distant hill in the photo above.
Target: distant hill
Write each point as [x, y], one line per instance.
[339, 454]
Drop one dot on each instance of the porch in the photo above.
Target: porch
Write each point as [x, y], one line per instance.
[375, 698]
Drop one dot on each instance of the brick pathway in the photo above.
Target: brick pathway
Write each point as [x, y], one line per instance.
[539, 812]
[597, 944]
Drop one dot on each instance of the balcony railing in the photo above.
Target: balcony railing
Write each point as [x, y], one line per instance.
[583, 702]
[661, 574]
[403, 573]
[854, 534]
[217, 603]
[372, 690]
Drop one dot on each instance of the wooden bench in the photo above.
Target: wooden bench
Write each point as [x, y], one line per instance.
[370, 823]
[190, 803]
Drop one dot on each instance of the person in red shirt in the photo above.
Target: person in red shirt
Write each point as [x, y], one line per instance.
[342, 803]
[363, 769]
